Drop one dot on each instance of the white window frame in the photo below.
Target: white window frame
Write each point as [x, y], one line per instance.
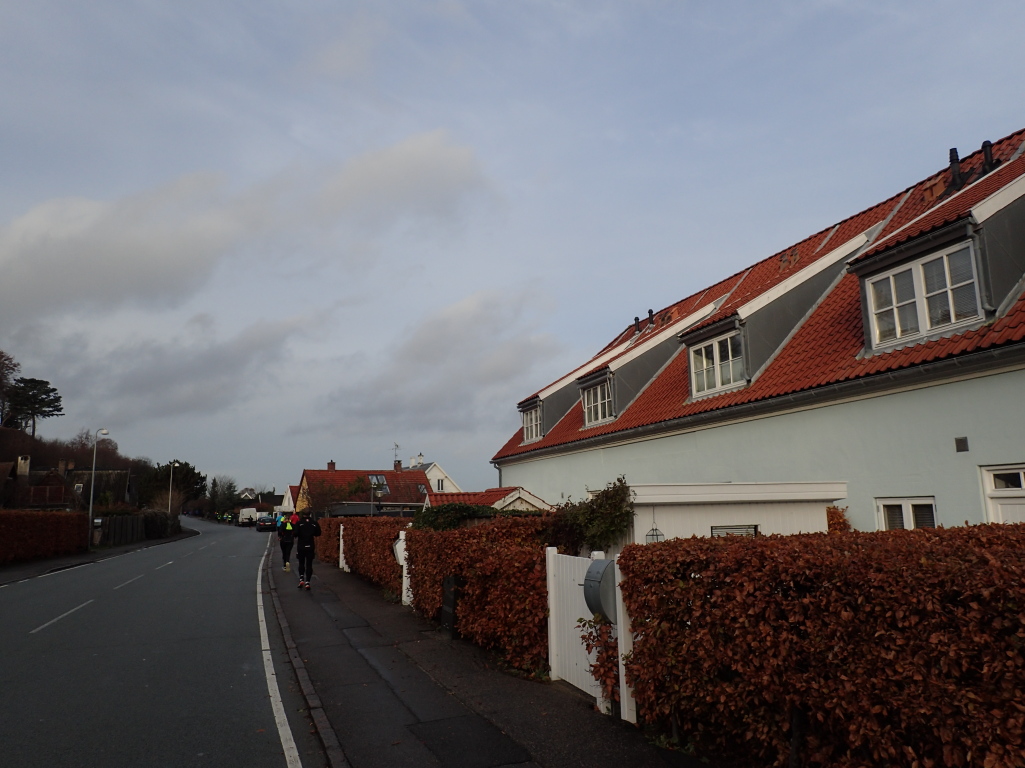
[532, 425]
[916, 308]
[994, 494]
[597, 403]
[710, 380]
[907, 511]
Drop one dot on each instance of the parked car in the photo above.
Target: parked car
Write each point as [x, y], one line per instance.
[265, 523]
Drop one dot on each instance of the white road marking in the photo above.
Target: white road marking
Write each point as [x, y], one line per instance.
[62, 570]
[54, 621]
[129, 581]
[284, 730]
[164, 565]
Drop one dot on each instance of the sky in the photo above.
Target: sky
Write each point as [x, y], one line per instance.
[261, 235]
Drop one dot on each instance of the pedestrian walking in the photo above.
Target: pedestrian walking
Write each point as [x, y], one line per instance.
[286, 537]
[305, 533]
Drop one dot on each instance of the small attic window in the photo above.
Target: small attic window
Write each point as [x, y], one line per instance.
[379, 483]
[532, 425]
[718, 364]
[597, 402]
[934, 292]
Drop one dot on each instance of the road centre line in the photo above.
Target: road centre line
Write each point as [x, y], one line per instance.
[164, 565]
[277, 706]
[129, 581]
[54, 621]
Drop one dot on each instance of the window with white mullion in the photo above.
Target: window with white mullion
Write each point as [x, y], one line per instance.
[900, 514]
[532, 424]
[717, 364]
[937, 291]
[597, 403]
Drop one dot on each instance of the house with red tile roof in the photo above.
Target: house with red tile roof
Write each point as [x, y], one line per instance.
[350, 492]
[518, 499]
[878, 364]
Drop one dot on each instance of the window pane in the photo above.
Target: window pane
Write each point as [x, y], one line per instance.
[894, 514]
[908, 318]
[964, 302]
[886, 328]
[904, 285]
[735, 346]
[935, 275]
[738, 369]
[881, 294]
[724, 373]
[939, 309]
[724, 350]
[699, 383]
[923, 515]
[710, 378]
[1007, 480]
[960, 267]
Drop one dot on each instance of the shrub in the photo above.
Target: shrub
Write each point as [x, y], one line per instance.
[446, 517]
[898, 648]
[30, 534]
[504, 603]
[836, 520]
[597, 523]
[599, 638]
[368, 550]
[326, 545]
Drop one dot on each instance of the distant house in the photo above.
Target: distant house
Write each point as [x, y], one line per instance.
[878, 363]
[499, 498]
[346, 492]
[247, 494]
[440, 480]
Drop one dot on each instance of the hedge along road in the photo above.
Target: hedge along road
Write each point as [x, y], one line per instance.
[151, 658]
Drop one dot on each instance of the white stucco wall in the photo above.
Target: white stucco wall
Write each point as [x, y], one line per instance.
[896, 445]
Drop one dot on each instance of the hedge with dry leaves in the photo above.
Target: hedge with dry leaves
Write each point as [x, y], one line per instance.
[326, 545]
[28, 534]
[368, 549]
[504, 603]
[896, 648]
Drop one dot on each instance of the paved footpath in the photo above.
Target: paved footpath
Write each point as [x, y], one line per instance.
[398, 692]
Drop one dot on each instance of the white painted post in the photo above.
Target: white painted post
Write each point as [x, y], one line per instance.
[627, 703]
[341, 549]
[553, 611]
[407, 593]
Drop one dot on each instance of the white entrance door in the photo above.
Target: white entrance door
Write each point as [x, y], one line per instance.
[1005, 493]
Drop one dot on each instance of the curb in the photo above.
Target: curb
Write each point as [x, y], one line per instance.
[332, 747]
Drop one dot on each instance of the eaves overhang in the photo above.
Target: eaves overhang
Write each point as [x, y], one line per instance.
[938, 238]
[994, 359]
[712, 330]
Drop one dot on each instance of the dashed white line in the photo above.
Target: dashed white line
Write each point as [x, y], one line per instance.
[54, 621]
[164, 565]
[129, 581]
[284, 731]
[63, 570]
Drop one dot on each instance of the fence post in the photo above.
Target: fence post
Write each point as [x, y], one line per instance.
[627, 703]
[407, 593]
[341, 549]
[553, 611]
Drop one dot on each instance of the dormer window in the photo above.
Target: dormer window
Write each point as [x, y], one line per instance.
[597, 402]
[379, 484]
[717, 364]
[532, 425]
[931, 293]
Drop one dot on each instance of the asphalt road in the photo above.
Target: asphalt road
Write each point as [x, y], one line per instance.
[153, 658]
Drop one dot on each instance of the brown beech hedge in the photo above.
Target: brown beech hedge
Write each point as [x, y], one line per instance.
[326, 545]
[368, 549]
[504, 601]
[895, 648]
[26, 535]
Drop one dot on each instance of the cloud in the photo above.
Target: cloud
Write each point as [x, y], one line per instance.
[460, 370]
[157, 248]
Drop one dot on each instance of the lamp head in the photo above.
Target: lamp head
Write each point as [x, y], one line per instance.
[102, 432]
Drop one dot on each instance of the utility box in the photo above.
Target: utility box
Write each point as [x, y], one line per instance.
[600, 589]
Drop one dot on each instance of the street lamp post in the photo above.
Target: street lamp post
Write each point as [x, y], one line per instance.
[170, 487]
[92, 485]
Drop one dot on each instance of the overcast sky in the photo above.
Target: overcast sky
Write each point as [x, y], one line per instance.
[264, 234]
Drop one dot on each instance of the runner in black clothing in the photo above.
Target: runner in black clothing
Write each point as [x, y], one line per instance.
[305, 532]
[286, 535]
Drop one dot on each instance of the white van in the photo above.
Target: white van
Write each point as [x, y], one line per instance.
[247, 516]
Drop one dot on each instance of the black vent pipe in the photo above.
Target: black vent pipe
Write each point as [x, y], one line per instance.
[955, 169]
[651, 317]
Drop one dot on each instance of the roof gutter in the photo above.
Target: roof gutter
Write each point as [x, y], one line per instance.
[1010, 356]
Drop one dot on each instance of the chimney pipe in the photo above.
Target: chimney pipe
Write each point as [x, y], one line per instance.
[988, 163]
[330, 466]
[637, 325]
[651, 317]
[955, 169]
[397, 466]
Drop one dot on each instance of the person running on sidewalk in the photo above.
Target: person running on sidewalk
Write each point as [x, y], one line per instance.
[305, 532]
[286, 536]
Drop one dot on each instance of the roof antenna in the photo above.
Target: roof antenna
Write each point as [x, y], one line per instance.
[955, 169]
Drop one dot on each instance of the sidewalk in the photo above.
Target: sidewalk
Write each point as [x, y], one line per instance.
[30, 569]
[398, 692]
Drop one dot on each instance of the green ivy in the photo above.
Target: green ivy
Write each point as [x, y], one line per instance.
[446, 517]
[597, 523]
